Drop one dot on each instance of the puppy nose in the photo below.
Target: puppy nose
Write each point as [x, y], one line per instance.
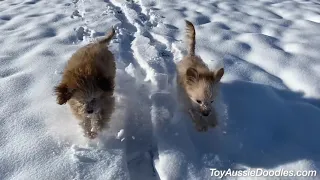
[205, 113]
[89, 111]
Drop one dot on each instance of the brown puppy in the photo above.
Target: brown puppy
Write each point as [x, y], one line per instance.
[197, 86]
[88, 84]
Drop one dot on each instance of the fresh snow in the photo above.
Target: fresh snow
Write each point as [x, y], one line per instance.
[269, 106]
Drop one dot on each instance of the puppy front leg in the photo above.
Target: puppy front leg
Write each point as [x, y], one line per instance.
[212, 119]
[193, 116]
[95, 126]
[200, 123]
[86, 126]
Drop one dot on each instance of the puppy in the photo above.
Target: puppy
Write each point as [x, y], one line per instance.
[197, 86]
[87, 85]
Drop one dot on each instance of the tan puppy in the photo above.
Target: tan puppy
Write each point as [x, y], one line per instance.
[197, 86]
[88, 84]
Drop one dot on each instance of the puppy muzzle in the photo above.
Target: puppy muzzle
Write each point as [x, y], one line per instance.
[205, 110]
[205, 113]
[89, 109]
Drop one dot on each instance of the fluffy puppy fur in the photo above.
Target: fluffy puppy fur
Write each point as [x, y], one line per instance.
[87, 85]
[197, 86]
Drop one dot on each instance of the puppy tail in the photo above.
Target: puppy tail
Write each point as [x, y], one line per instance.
[191, 37]
[108, 37]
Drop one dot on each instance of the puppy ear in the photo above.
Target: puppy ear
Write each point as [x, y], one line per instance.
[219, 74]
[63, 93]
[106, 83]
[192, 75]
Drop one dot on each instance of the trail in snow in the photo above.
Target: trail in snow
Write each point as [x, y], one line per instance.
[154, 58]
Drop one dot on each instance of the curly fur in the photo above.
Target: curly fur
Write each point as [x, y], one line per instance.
[197, 85]
[87, 85]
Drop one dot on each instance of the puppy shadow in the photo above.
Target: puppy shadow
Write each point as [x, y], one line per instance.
[268, 127]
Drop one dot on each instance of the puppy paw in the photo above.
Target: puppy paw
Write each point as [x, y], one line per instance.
[213, 124]
[91, 134]
[96, 129]
[202, 128]
[212, 120]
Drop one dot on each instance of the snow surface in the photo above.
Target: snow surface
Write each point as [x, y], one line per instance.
[269, 108]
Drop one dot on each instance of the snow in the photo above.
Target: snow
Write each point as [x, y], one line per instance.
[120, 134]
[269, 106]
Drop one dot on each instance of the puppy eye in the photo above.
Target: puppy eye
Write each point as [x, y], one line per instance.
[198, 101]
[211, 101]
